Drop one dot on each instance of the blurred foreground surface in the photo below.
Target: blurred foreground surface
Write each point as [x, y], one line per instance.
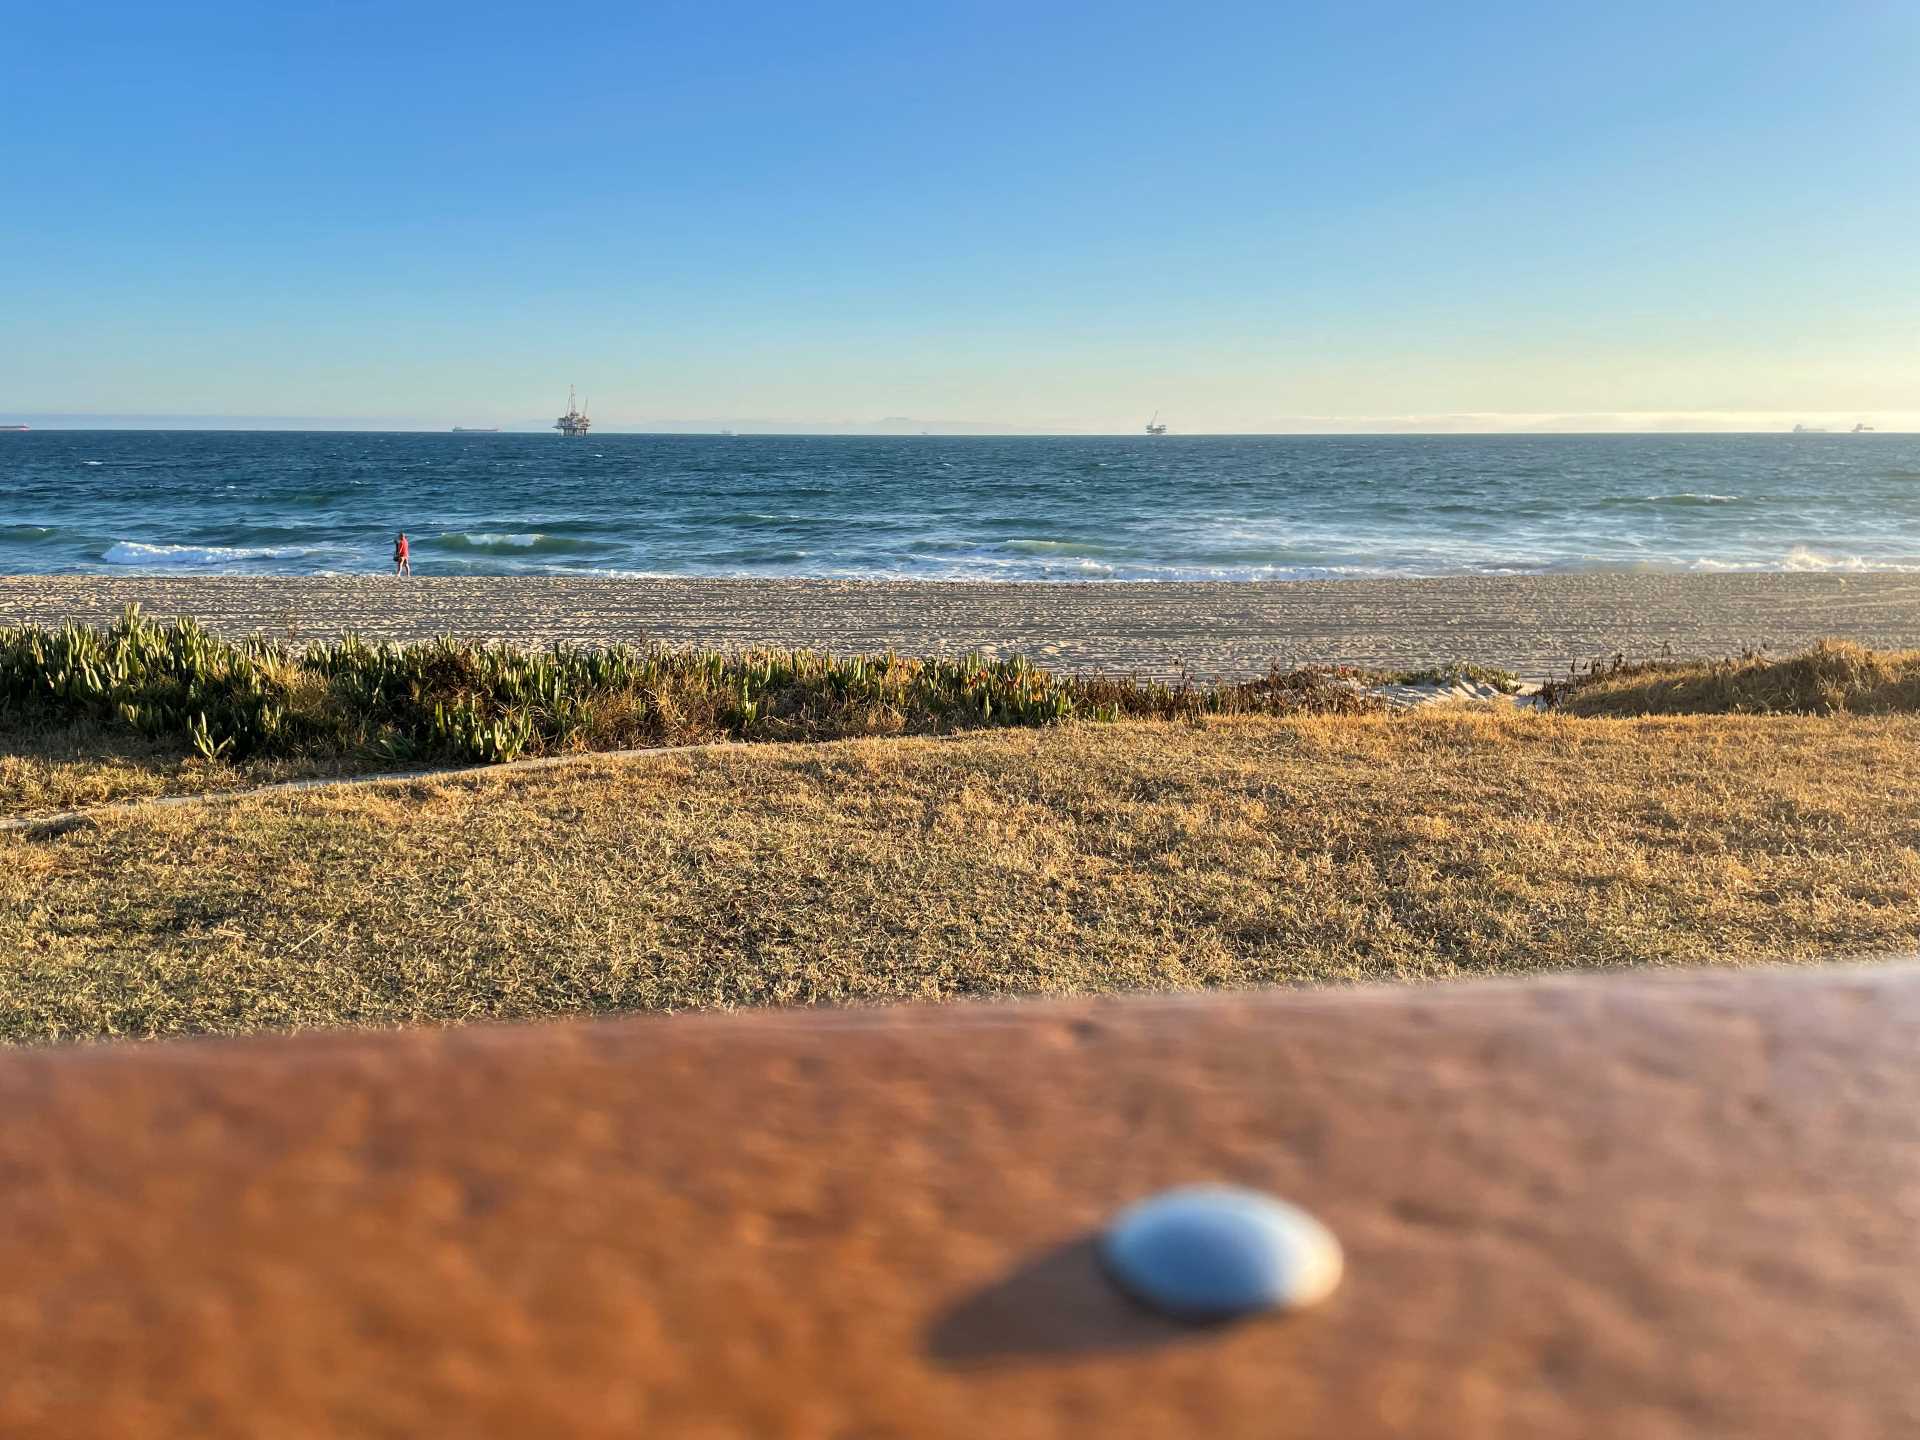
[1633, 1206]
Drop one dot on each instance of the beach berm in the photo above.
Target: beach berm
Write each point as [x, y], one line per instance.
[1535, 625]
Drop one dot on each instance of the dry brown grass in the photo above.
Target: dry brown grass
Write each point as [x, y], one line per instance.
[1087, 858]
[41, 773]
[1834, 677]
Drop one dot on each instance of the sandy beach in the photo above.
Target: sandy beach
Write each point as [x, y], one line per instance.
[1536, 625]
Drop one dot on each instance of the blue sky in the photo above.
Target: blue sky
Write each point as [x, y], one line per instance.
[1034, 215]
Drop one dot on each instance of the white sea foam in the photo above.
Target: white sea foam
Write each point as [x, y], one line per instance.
[605, 573]
[133, 552]
[1804, 559]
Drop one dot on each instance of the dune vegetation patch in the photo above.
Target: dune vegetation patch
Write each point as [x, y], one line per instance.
[143, 691]
[1835, 677]
[138, 709]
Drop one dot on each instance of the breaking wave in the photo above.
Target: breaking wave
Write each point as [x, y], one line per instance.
[185, 557]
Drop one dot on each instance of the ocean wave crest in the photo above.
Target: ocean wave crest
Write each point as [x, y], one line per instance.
[1680, 497]
[484, 542]
[1063, 548]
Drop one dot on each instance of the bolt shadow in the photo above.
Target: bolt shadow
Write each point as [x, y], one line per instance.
[1061, 1305]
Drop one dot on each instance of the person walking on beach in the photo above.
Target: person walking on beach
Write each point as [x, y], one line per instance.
[402, 563]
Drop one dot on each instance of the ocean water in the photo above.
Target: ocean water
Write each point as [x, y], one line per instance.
[1178, 508]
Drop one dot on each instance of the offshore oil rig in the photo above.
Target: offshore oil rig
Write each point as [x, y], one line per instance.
[575, 421]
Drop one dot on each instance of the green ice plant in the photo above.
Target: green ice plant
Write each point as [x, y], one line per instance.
[450, 700]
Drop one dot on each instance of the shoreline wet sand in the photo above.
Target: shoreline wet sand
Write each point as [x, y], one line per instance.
[1537, 625]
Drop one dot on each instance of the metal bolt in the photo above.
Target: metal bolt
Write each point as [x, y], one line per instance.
[1213, 1252]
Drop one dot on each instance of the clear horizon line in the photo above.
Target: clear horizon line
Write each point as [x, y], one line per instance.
[1644, 422]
